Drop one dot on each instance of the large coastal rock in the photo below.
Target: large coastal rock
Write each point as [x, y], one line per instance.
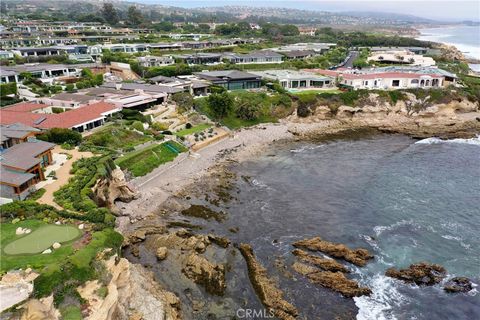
[332, 280]
[42, 309]
[15, 287]
[458, 284]
[358, 257]
[267, 291]
[422, 273]
[322, 263]
[205, 273]
[112, 188]
[133, 293]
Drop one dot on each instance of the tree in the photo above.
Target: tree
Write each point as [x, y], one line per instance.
[220, 104]
[134, 16]
[184, 101]
[109, 13]
[61, 135]
[248, 110]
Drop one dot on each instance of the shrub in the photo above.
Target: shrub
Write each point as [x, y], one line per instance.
[130, 114]
[8, 88]
[57, 110]
[159, 126]
[61, 135]
[137, 125]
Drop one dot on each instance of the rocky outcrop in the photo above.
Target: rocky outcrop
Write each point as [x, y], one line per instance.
[189, 252]
[42, 309]
[332, 280]
[454, 116]
[422, 273]
[133, 293]
[458, 284]
[112, 188]
[322, 263]
[15, 287]
[358, 257]
[205, 273]
[162, 253]
[267, 291]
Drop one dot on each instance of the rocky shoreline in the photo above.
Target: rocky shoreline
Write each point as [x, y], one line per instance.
[159, 221]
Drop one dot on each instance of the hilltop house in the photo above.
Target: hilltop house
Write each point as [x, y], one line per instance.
[154, 61]
[200, 58]
[264, 56]
[388, 78]
[231, 79]
[291, 79]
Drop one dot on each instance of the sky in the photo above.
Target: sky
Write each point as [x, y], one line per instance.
[446, 10]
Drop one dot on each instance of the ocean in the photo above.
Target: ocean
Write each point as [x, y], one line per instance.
[465, 38]
[404, 200]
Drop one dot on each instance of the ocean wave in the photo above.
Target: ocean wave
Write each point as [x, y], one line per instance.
[472, 141]
[306, 148]
[379, 305]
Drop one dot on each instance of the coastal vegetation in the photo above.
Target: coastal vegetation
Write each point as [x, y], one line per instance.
[243, 109]
[141, 162]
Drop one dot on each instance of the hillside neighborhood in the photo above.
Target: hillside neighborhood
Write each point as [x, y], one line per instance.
[97, 107]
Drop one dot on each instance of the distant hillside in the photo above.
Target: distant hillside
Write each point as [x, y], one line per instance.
[154, 12]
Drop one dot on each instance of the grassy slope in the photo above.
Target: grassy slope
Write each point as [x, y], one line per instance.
[141, 162]
[115, 137]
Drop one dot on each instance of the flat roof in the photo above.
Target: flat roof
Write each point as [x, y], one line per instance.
[291, 75]
[65, 96]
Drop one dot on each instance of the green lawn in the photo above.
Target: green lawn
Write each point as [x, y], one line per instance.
[141, 162]
[192, 130]
[40, 239]
[233, 122]
[8, 262]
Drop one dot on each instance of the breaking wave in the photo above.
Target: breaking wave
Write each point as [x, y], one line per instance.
[473, 141]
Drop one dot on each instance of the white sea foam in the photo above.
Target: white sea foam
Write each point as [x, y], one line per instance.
[306, 148]
[472, 141]
[379, 305]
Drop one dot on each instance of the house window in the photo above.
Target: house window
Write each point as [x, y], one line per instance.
[414, 81]
[375, 83]
[395, 83]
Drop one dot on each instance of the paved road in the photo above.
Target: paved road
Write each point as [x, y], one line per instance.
[349, 63]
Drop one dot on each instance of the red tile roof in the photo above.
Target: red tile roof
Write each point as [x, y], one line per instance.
[67, 119]
[24, 106]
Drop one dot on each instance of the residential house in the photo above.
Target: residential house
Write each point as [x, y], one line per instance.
[232, 79]
[68, 100]
[154, 61]
[391, 77]
[15, 133]
[80, 119]
[307, 31]
[200, 58]
[298, 54]
[21, 167]
[292, 79]
[263, 56]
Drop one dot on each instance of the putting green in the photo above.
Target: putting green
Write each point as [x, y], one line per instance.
[41, 239]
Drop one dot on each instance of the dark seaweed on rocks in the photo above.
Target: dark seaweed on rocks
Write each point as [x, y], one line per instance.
[203, 212]
[422, 273]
